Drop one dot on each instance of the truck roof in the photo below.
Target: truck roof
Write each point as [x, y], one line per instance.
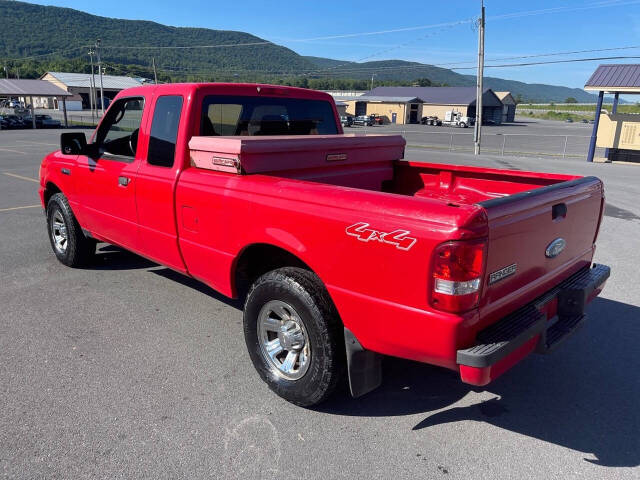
[246, 89]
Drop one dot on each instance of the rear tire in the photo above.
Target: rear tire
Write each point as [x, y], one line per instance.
[294, 335]
[68, 242]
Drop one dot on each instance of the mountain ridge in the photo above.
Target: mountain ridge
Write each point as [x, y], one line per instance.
[37, 38]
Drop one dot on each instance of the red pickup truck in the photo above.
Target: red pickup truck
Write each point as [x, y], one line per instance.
[342, 250]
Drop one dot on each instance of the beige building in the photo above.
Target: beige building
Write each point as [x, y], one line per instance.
[399, 110]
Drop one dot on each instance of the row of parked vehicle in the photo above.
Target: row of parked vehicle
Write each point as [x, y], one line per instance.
[362, 120]
[12, 122]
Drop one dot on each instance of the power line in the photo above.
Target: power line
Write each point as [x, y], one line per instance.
[58, 52]
[536, 55]
[550, 62]
[368, 70]
[184, 47]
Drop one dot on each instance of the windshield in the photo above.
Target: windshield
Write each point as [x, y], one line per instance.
[246, 115]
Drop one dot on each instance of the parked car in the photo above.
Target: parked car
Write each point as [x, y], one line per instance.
[47, 122]
[42, 121]
[584, 120]
[14, 103]
[346, 120]
[431, 120]
[341, 251]
[15, 121]
[364, 120]
[568, 120]
[377, 119]
[4, 123]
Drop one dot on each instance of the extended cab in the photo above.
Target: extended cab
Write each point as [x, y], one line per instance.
[342, 250]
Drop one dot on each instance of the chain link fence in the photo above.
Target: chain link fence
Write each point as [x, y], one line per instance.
[513, 144]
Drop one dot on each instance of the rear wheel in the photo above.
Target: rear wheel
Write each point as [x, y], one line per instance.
[294, 335]
[68, 242]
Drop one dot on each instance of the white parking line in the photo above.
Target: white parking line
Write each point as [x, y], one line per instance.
[38, 143]
[12, 151]
[21, 177]
[19, 208]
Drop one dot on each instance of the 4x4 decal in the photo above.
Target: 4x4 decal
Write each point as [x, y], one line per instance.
[398, 238]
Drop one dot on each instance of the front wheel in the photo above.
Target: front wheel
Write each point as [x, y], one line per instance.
[68, 242]
[294, 335]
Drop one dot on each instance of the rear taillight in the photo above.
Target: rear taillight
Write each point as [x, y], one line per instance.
[457, 275]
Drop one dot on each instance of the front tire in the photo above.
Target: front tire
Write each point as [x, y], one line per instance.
[68, 242]
[294, 335]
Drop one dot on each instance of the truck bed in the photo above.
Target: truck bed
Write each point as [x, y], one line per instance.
[518, 213]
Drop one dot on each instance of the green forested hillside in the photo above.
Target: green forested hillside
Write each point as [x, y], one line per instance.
[35, 39]
[29, 30]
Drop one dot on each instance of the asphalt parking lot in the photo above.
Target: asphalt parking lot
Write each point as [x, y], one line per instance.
[128, 370]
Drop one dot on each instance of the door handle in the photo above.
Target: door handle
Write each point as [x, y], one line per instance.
[65, 171]
[123, 181]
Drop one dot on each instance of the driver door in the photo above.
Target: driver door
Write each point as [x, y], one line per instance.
[106, 184]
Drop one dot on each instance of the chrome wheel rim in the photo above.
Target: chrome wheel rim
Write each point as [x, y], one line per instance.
[59, 232]
[284, 341]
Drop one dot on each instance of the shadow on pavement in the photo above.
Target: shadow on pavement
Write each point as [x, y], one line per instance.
[585, 396]
[110, 257]
[197, 285]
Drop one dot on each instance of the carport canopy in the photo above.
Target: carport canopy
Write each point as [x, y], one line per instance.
[34, 88]
[616, 79]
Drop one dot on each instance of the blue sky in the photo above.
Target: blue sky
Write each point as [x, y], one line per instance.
[410, 34]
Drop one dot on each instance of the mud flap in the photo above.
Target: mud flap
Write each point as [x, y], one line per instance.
[364, 366]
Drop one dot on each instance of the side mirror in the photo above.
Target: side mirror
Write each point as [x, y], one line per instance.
[73, 143]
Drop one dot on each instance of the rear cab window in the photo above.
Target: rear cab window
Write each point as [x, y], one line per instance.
[164, 130]
[232, 115]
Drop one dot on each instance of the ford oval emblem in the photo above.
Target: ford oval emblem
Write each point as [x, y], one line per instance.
[555, 248]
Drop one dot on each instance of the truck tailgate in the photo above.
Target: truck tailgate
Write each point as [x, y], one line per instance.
[537, 239]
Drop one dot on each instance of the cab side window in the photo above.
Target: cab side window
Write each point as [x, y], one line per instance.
[118, 133]
[164, 130]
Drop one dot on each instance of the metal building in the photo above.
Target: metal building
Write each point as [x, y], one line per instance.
[30, 89]
[80, 84]
[436, 101]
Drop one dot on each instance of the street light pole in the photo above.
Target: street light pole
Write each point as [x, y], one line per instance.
[100, 72]
[477, 131]
[372, 75]
[155, 73]
[92, 87]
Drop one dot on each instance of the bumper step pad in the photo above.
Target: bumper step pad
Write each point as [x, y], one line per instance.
[511, 332]
[503, 337]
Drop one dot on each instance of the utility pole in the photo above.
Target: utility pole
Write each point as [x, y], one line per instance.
[372, 75]
[100, 72]
[477, 131]
[6, 72]
[92, 87]
[155, 74]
